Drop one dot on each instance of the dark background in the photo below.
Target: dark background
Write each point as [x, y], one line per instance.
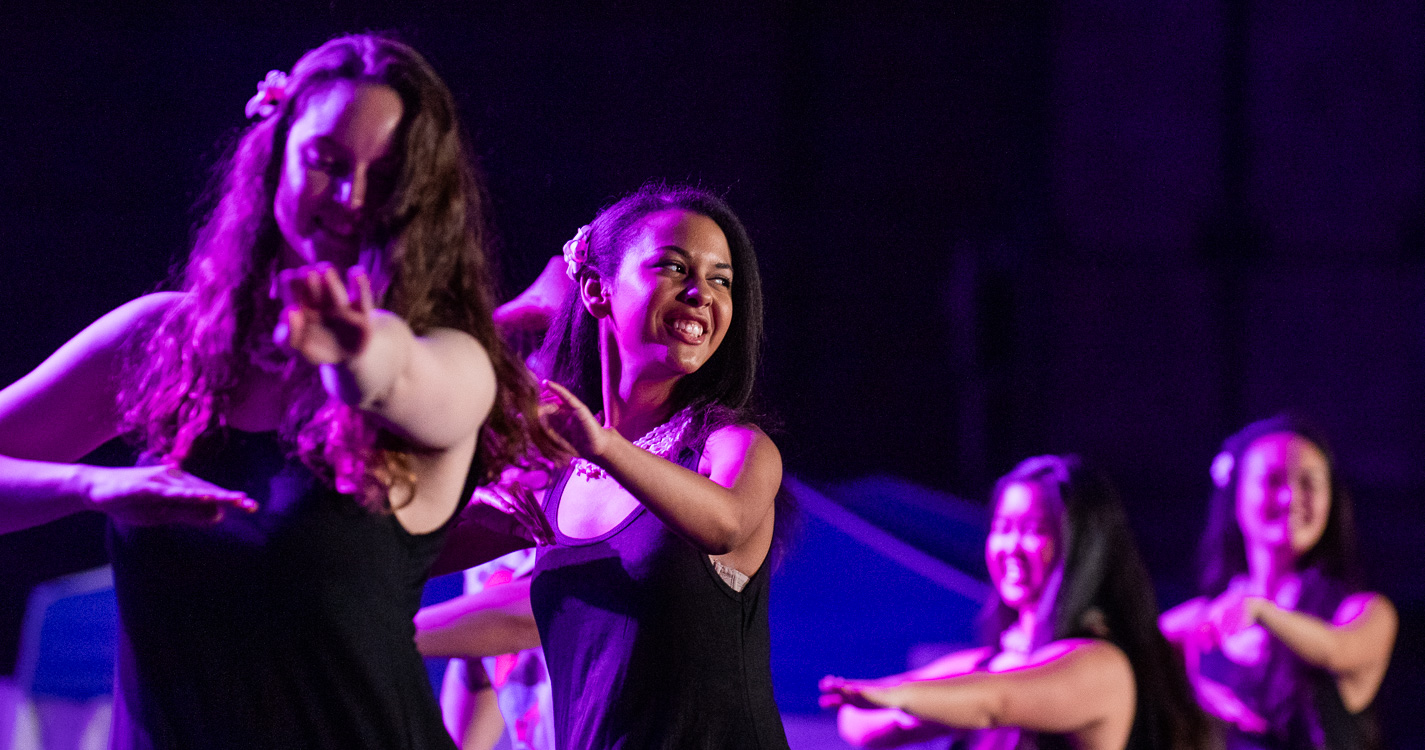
[988, 229]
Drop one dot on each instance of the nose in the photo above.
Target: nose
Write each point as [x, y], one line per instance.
[351, 191]
[694, 291]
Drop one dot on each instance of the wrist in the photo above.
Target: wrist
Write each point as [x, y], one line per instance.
[76, 484]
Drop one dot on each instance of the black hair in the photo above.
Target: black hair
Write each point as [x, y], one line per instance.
[1223, 554]
[1104, 592]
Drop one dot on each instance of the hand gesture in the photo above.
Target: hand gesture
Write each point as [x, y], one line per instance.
[839, 691]
[516, 501]
[1222, 703]
[155, 495]
[323, 319]
[571, 420]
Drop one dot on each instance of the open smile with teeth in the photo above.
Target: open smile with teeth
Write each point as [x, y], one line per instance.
[691, 331]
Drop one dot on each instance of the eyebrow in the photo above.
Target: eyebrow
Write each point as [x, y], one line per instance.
[686, 254]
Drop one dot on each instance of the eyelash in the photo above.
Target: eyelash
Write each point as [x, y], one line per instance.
[678, 267]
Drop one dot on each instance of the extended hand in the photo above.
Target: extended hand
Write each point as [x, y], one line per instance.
[839, 691]
[323, 319]
[154, 495]
[571, 420]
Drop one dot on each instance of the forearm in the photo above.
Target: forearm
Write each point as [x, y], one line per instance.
[433, 390]
[1069, 686]
[969, 701]
[37, 492]
[496, 620]
[693, 506]
[1358, 644]
[1312, 639]
[480, 634]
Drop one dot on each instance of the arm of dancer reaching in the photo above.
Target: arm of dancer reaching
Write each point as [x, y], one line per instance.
[892, 727]
[1084, 688]
[496, 620]
[1355, 646]
[724, 508]
[433, 391]
[66, 408]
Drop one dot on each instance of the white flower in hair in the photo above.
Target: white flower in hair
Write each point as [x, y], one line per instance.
[576, 252]
[271, 92]
[1222, 469]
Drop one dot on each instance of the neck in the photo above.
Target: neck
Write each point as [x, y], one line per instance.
[1028, 621]
[1268, 568]
[634, 403]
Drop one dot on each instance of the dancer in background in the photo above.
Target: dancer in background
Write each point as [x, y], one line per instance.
[1285, 646]
[652, 600]
[269, 557]
[1075, 658]
[496, 682]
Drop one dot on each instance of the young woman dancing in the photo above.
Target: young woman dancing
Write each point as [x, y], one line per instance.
[313, 406]
[1285, 646]
[1076, 659]
[652, 600]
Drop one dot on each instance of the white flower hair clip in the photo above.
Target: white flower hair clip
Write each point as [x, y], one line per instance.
[576, 252]
[1222, 469]
[271, 92]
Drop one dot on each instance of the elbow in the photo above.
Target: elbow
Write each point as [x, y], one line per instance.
[721, 538]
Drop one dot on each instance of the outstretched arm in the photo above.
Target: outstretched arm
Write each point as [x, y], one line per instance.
[66, 408]
[892, 727]
[496, 620]
[1079, 687]
[433, 390]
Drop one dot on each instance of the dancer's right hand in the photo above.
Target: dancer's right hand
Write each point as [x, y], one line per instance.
[155, 495]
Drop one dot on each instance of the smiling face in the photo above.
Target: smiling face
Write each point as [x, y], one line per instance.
[339, 166]
[1283, 494]
[670, 303]
[1022, 546]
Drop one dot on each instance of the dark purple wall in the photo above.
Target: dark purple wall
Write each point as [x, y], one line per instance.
[988, 229]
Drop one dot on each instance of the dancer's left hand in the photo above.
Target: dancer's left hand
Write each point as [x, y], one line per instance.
[516, 501]
[839, 691]
[324, 319]
[572, 421]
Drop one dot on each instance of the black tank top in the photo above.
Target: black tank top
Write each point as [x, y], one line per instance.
[287, 628]
[1302, 705]
[647, 646]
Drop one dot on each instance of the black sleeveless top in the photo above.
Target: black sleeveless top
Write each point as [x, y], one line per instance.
[647, 646]
[1301, 703]
[287, 628]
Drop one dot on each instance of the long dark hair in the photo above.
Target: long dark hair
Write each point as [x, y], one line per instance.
[431, 231]
[1223, 554]
[1104, 592]
[722, 389]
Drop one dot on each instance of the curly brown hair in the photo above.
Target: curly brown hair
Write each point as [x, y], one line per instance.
[431, 231]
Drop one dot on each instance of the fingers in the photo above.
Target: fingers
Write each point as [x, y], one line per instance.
[359, 287]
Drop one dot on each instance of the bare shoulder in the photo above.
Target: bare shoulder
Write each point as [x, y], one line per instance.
[132, 318]
[1090, 660]
[1366, 608]
[738, 441]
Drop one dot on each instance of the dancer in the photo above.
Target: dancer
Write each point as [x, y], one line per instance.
[269, 555]
[652, 601]
[1076, 660]
[1285, 646]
